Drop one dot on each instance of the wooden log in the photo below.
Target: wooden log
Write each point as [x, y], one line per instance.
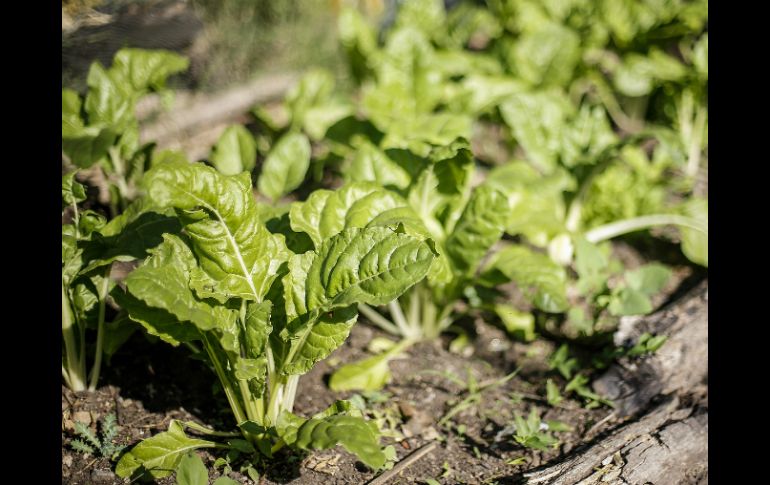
[201, 113]
[663, 401]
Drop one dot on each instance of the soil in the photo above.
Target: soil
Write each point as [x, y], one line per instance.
[147, 384]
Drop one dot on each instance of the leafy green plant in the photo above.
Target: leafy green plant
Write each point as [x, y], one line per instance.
[192, 471]
[533, 433]
[262, 314]
[572, 91]
[101, 128]
[90, 245]
[90, 444]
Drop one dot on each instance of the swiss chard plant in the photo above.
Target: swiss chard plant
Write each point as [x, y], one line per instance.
[90, 246]
[440, 202]
[597, 133]
[101, 128]
[259, 313]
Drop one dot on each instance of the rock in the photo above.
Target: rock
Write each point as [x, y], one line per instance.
[82, 417]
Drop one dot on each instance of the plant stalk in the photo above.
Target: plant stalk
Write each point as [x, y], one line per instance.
[614, 229]
[75, 379]
[96, 369]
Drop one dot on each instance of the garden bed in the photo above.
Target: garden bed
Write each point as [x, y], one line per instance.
[147, 385]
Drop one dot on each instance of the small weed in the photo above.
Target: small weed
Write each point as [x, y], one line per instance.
[90, 443]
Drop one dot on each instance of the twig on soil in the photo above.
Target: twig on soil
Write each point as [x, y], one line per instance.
[403, 464]
[602, 421]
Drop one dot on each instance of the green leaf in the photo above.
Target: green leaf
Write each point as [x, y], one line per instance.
[361, 204]
[541, 280]
[373, 265]
[370, 164]
[547, 56]
[629, 301]
[128, 237]
[225, 481]
[313, 89]
[353, 433]
[369, 374]
[537, 204]
[521, 325]
[87, 146]
[191, 471]
[285, 166]
[159, 455]
[552, 393]
[235, 151]
[638, 75]
[359, 40]
[145, 70]
[110, 101]
[159, 296]
[537, 121]
[237, 256]
[72, 192]
[648, 279]
[695, 244]
[479, 227]
[591, 264]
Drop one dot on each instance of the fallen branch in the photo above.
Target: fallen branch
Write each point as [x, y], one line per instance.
[404, 464]
[664, 400]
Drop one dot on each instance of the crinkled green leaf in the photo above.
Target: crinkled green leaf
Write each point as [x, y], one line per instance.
[638, 75]
[480, 94]
[235, 151]
[285, 167]
[547, 56]
[541, 280]
[72, 192]
[479, 227]
[361, 204]
[159, 455]
[147, 69]
[237, 255]
[353, 433]
[421, 134]
[373, 265]
[537, 121]
[191, 471]
[110, 100]
[170, 308]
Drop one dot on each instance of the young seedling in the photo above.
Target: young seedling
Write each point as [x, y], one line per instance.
[91, 444]
[532, 433]
[262, 314]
